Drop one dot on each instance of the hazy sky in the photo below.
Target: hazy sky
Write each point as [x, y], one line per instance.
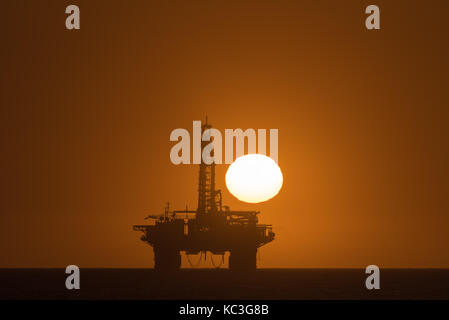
[362, 116]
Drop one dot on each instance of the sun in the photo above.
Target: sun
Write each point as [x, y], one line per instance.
[254, 178]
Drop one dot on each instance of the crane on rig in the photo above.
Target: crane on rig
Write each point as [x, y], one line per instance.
[212, 227]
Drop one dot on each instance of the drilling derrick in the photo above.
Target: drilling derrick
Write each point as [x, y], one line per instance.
[210, 228]
[207, 201]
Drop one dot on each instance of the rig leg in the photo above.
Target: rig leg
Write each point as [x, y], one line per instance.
[243, 259]
[166, 259]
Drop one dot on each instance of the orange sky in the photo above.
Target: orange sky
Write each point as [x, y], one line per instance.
[362, 118]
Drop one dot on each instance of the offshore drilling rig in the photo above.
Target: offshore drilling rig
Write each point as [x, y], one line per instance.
[211, 227]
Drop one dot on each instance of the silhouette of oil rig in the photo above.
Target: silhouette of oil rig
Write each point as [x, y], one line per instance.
[211, 227]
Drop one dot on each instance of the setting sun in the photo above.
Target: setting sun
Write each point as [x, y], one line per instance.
[254, 178]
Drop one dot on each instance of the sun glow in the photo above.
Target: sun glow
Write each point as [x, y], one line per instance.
[254, 178]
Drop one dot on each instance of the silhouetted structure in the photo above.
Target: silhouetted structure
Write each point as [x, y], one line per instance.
[212, 227]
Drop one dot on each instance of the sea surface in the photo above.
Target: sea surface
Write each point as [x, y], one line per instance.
[222, 284]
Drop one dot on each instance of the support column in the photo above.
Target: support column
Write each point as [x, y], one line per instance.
[243, 259]
[166, 259]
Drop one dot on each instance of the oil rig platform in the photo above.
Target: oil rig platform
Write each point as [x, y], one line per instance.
[212, 227]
